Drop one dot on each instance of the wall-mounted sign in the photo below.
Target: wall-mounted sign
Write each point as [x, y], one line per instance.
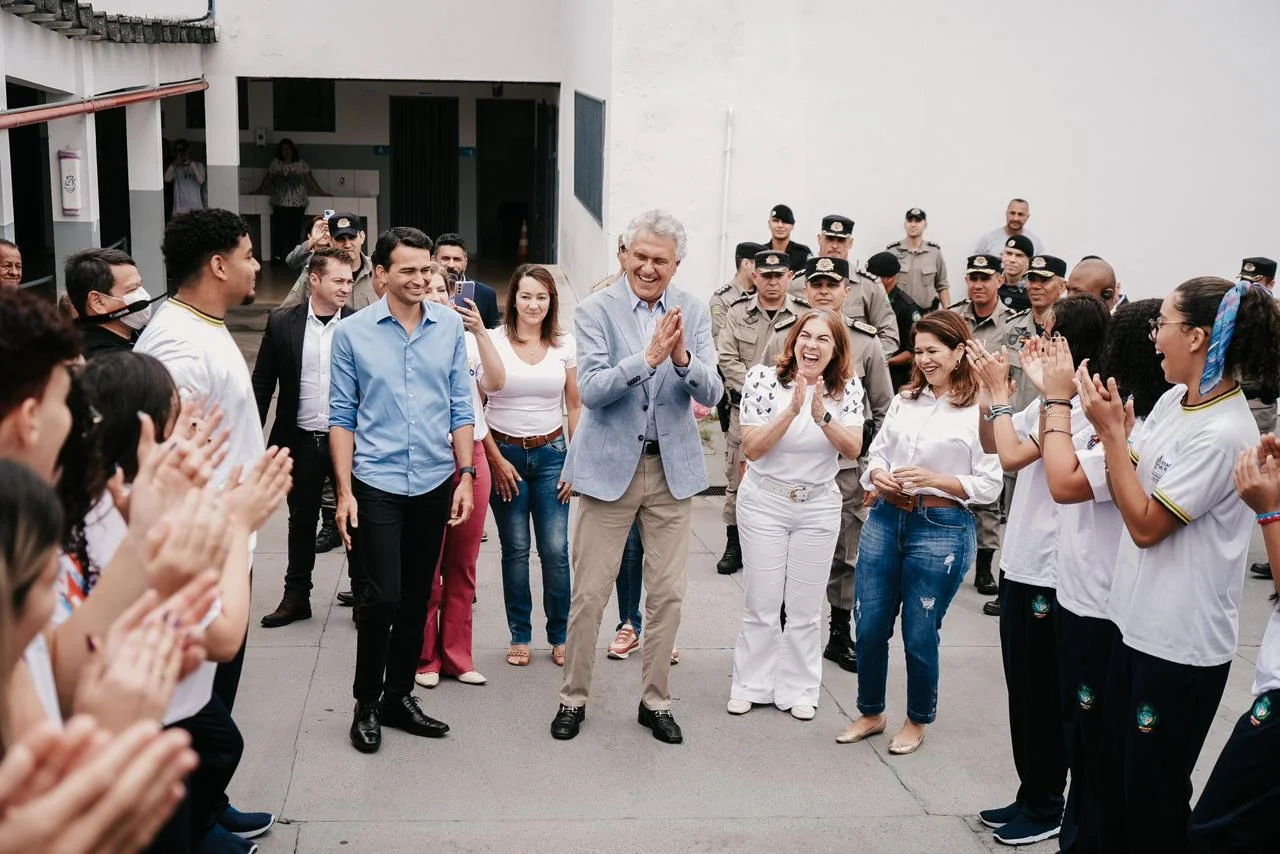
[466, 151]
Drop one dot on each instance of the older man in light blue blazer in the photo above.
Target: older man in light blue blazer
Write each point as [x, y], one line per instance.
[644, 355]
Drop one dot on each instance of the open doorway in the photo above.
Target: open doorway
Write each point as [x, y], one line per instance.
[424, 163]
[504, 174]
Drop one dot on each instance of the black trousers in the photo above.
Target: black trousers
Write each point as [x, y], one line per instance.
[311, 465]
[1029, 647]
[1084, 658]
[398, 545]
[286, 229]
[1157, 718]
[1239, 807]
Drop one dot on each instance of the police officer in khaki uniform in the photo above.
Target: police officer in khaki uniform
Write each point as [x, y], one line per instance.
[740, 344]
[741, 286]
[781, 223]
[924, 272]
[826, 286]
[884, 268]
[987, 318]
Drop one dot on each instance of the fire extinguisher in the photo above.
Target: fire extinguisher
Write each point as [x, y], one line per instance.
[69, 171]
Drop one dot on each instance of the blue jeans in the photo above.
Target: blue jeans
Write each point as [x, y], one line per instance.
[915, 561]
[631, 581]
[539, 469]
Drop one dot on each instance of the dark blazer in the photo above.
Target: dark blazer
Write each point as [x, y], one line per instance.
[487, 302]
[280, 362]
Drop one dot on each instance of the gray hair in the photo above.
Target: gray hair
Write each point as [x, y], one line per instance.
[659, 223]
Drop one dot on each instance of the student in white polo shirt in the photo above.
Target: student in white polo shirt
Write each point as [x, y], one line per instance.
[1180, 571]
[1089, 538]
[1238, 807]
[1029, 567]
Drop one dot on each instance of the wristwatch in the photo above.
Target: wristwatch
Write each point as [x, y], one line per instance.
[471, 470]
[826, 418]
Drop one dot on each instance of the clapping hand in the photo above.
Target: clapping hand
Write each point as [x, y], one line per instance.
[796, 405]
[1031, 360]
[1257, 478]
[1058, 380]
[1103, 405]
[992, 369]
[188, 540]
[667, 341]
[817, 408]
[252, 499]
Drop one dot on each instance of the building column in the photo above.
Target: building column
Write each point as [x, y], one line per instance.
[222, 142]
[73, 232]
[146, 191]
[7, 230]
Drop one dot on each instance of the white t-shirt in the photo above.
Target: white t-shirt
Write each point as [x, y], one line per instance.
[530, 401]
[1180, 599]
[39, 662]
[803, 455]
[205, 362]
[473, 365]
[1266, 676]
[931, 433]
[1090, 535]
[1029, 553]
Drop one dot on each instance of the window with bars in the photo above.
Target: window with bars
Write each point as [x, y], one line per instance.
[588, 153]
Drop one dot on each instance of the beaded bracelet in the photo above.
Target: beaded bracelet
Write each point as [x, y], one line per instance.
[1269, 518]
[997, 411]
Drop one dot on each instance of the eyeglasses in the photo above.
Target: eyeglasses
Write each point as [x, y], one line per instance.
[1156, 322]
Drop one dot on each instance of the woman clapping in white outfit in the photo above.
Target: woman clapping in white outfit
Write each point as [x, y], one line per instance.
[793, 432]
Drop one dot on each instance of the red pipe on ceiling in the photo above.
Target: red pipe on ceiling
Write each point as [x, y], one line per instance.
[48, 112]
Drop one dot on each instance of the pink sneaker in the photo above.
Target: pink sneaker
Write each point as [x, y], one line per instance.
[624, 643]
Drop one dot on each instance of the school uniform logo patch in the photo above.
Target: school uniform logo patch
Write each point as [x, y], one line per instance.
[1261, 712]
[1040, 606]
[1157, 471]
[1085, 697]
[1147, 717]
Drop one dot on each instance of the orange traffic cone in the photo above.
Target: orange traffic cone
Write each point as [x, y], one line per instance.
[522, 249]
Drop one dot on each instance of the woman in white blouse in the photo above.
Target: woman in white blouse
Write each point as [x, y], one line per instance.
[924, 466]
[526, 420]
[446, 638]
[793, 432]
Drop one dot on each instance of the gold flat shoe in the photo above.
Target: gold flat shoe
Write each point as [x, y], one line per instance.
[852, 734]
[900, 748]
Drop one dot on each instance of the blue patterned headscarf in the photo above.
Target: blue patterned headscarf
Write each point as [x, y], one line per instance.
[1224, 327]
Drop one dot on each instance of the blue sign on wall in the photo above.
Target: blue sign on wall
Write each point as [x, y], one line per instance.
[381, 150]
[466, 151]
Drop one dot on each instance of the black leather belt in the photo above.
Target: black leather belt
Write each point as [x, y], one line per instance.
[650, 447]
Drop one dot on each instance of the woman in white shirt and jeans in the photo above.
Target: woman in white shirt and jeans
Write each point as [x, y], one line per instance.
[526, 421]
[924, 466]
[793, 433]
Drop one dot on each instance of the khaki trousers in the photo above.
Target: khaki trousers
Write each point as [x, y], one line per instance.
[1264, 415]
[599, 536]
[852, 515]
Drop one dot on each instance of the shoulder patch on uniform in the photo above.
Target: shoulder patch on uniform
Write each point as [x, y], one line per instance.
[960, 304]
[801, 301]
[723, 289]
[1018, 314]
[716, 309]
[860, 325]
[742, 297]
[893, 244]
[785, 324]
[931, 243]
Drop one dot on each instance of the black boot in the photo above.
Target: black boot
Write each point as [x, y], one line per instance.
[840, 648]
[1261, 570]
[731, 561]
[982, 578]
[291, 609]
[328, 539]
[992, 608]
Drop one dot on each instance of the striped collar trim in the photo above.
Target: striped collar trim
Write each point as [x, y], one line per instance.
[1200, 407]
[207, 318]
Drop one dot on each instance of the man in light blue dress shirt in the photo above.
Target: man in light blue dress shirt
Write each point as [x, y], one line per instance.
[400, 389]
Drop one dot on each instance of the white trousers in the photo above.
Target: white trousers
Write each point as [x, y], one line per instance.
[786, 556]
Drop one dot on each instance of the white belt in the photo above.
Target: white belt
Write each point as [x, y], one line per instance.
[797, 494]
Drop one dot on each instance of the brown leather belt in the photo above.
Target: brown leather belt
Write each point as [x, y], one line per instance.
[527, 442]
[909, 503]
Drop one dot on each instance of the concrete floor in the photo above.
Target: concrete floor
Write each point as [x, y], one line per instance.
[499, 782]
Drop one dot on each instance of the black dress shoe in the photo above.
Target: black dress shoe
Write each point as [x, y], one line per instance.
[992, 608]
[289, 611]
[346, 598]
[366, 732]
[405, 713]
[662, 724]
[985, 583]
[567, 721]
[842, 652]
[1261, 570]
[328, 539]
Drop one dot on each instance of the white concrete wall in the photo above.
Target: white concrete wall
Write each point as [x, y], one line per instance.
[1139, 131]
[585, 246]
[390, 40]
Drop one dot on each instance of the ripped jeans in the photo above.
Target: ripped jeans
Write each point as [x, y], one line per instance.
[914, 561]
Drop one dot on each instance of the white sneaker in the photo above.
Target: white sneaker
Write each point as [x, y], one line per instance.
[428, 679]
[471, 677]
[739, 707]
[803, 713]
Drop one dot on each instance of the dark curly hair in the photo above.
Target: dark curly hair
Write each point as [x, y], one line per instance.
[1254, 353]
[106, 396]
[192, 238]
[1082, 319]
[35, 339]
[1129, 358]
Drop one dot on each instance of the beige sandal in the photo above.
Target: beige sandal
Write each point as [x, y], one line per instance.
[557, 655]
[518, 655]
